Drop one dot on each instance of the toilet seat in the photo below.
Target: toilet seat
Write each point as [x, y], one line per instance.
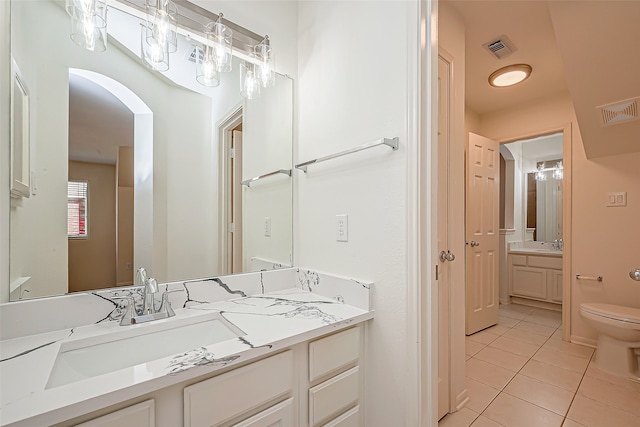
[613, 312]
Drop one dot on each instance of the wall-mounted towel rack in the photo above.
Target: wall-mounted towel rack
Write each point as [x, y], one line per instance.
[391, 142]
[597, 279]
[248, 182]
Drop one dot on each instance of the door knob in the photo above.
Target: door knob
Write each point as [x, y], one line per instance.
[447, 256]
[474, 243]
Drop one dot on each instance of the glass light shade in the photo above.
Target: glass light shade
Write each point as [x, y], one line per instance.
[162, 18]
[541, 175]
[249, 81]
[89, 24]
[154, 54]
[558, 171]
[266, 68]
[220, 38]
[206, 70]
[510, 75]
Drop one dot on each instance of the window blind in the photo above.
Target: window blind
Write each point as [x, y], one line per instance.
[77, 206]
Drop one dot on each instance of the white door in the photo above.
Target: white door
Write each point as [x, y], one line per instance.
[236, 203]
[483, 202]
[443, 236]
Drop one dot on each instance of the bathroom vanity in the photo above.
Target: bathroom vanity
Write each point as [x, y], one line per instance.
[283, 347]
[535, 274]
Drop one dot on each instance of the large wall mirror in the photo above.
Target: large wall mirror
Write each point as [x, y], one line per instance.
[540, 160]
[135, 168]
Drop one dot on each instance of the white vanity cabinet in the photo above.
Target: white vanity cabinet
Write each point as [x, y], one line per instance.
[536, 276]
[335, 379]
[139, 415]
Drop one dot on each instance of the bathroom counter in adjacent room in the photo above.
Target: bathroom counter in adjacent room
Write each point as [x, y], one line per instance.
[259, 324]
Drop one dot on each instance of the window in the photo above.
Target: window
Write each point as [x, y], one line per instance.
[77, 193]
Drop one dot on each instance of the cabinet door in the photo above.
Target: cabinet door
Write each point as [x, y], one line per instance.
[350, 418]
[334, 396]
[554, 277]
[280, 415]
[140, 415]
[529, 282]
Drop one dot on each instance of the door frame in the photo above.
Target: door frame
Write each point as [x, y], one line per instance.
[225, 128]
[566, 215]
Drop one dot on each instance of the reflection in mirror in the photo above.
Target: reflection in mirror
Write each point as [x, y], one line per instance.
[161, 187]
[540, 159]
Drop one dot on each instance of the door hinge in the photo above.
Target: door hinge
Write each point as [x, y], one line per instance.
[232, 227]
[232, 153]
[436, 271]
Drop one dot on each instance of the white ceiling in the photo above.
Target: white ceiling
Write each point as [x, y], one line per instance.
[528, 26]
[587, 49]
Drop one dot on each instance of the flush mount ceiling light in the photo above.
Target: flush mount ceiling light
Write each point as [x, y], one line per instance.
[510, 75]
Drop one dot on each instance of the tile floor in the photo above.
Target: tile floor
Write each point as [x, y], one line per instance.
[520, 373]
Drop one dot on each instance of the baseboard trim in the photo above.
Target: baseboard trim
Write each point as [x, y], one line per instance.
[537, 304]
[462, 399]
[588, 342]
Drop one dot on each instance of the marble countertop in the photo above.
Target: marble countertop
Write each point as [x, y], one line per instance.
[270, 321]
[536, 251]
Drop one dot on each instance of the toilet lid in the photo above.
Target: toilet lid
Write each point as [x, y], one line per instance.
[616, 312]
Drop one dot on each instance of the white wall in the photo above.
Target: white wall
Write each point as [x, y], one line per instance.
[353, 89]
[5, 88]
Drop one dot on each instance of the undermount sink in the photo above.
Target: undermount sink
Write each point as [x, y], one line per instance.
[130, 346]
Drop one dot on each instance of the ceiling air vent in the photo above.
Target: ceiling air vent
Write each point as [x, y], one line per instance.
[500, 48]
[619, 112]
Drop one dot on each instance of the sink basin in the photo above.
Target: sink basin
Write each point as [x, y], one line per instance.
[131, 346]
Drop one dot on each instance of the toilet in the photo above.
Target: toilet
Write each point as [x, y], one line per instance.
[618, 327]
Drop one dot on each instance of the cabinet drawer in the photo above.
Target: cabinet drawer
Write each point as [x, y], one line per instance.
[545, 262]
[333, 396]
[351, 418]
[140, 415]
[331, 353]
[219, 399]
[519, 260]
[529, 282]
[280, 415]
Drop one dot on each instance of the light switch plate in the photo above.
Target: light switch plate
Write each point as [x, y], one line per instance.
[267, 226]
[342, 228]
[617, 199]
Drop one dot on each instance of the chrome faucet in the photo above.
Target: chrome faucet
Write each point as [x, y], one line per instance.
[148, 311]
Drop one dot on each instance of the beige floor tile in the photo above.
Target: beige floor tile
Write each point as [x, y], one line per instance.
[595, 372]
[539, 393]
[595, 414]
[562, 360]
[498, 329]
[483, 421]
[534, 328]
[513, 313]
[503, 358]
[610, 394]
[487, 373]
[483, 337]
[480, 395]
[514, 346]
[570, 348]
[546, 318]
[462, 418]
[570, 423]
[524, 336]
[507, 321]
[511, 411]
[551, 374]
[472, 347]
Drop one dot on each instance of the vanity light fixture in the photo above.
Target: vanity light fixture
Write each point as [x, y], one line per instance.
[557, 172]
[510, 75]
[162, 20]
[155, 55]
[221, 38]
[88, 23]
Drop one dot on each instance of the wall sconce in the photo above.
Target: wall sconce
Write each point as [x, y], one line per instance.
[88, 23]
